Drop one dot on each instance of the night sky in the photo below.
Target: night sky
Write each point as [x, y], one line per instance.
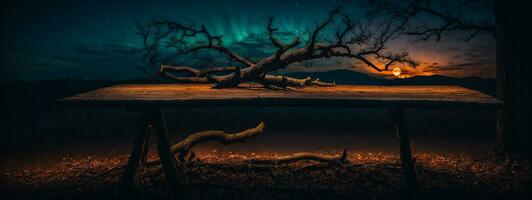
[44, 40]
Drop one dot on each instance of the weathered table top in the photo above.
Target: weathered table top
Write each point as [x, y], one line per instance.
[202, 95]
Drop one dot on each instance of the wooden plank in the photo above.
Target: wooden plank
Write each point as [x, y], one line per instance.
[197, 95]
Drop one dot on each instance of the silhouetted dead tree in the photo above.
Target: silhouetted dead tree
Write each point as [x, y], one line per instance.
[353, 38]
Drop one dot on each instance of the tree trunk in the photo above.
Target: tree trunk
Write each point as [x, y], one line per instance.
[514, 84]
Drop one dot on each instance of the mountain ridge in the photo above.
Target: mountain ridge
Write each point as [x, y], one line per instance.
[344, 76]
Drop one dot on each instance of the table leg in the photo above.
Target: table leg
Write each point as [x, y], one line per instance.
[163, 147]
[404, 150]
[500, 131]
[146, 146]
[136, 153]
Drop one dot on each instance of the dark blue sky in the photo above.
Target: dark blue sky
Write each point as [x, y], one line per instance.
[97, 39]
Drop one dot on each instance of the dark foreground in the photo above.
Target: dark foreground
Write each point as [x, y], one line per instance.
[372, 176]
[49, 151]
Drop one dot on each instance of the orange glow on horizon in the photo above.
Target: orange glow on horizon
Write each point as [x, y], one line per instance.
[396, 71]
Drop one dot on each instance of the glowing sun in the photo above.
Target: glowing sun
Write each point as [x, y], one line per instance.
[396, 71]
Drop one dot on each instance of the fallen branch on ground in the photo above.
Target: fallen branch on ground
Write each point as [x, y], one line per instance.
[330, 159]
[182, 149]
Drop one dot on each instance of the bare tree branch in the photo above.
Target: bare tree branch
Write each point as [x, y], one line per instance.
[179, 33]
[450, 21]
[353, 38]
[282, 47]
[320, 27]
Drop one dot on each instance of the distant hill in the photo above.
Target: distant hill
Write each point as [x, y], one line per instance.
[352, 77]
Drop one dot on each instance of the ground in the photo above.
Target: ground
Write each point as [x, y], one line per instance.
[373, 175]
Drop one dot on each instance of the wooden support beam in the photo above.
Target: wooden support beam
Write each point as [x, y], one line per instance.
[146, 146]
[163, 147]
[398, 119]
[501, 146]
[128, 175]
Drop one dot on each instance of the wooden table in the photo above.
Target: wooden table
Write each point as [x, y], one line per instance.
[152, 98]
